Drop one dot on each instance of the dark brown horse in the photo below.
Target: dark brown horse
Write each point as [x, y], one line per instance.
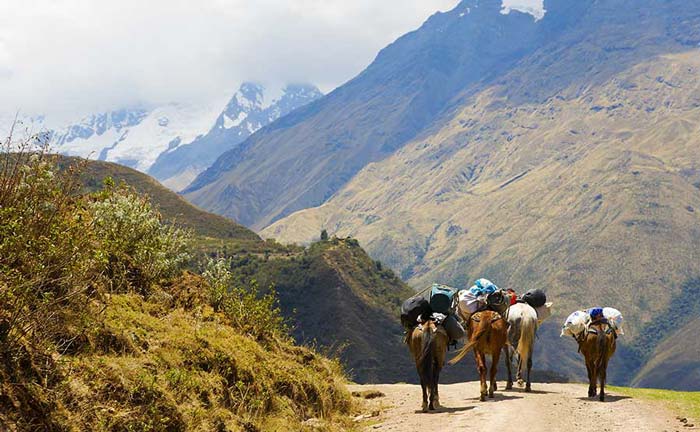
[488, 334]
[597, 345]
[428, 344]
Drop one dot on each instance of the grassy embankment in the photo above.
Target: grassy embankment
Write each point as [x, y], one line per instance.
[684, 404]
[102, 328]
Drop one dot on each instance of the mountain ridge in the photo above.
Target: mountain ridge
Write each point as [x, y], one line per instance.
[315, 152]
[174, 142]
[576, 172]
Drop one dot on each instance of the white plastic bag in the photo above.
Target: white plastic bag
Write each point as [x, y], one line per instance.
[575, 324]
[468, 303]
[614, 317]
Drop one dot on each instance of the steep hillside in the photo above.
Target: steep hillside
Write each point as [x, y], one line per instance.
[172, 206]
[340, 299]
[306, 157]
[334, 294]
[102, 329]
[576, 171]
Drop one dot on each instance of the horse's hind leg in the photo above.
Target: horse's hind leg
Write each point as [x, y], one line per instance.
[519, 375]
[509, 359]
[436, 393]
[494, 369]
[481, 365]
[593, 380]
[603, 374]
[424, 387]
[528, 386]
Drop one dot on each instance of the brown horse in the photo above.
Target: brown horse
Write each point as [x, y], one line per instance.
[428, 344]
[488, 334]
[597, 345]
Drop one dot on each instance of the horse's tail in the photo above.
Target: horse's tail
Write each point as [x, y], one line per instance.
[483, 330]
[602, 349]
[528, 328]
[426, 360]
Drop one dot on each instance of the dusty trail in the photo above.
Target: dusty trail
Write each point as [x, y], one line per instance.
[550, 407]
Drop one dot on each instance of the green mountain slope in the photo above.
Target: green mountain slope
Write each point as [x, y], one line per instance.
[171, 205]
[591, 193]
[339, 298]
[333, 293]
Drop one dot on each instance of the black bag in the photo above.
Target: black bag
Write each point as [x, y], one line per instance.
[454, 329]
[413, 308]
[535, 298]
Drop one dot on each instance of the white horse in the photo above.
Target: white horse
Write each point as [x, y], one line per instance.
[523, 323]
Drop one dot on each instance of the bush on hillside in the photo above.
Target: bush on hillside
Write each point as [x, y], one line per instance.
[138, 249]
[47, 250]
[254, 313]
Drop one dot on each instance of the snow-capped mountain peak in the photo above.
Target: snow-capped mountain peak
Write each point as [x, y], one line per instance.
[142, 138]
[253, 106]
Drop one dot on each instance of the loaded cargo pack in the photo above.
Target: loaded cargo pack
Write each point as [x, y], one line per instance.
[414, 308]
[441, 297]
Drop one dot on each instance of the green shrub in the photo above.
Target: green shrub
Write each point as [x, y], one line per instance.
[253, 313]
[220, 280]
[138, 248]
[48, 257]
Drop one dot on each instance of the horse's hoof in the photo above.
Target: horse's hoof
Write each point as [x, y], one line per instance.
[491, 395]
[495, 387]
[483, 398]
[425, 407]
[528, 389]
[602, 397]
[509, 386]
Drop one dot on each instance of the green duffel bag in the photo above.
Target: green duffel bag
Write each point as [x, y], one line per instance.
[441, 297]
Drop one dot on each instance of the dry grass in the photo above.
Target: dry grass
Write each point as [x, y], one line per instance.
[154, 367]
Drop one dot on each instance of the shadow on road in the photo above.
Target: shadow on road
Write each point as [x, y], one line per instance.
[499, 397]
[446, 410]
[608, 398]
[522, 390]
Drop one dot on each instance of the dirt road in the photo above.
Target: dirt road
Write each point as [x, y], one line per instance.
[550, 408]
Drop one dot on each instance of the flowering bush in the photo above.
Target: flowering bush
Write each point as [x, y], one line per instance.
[138, 248]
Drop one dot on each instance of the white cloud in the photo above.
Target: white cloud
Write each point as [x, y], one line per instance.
[64, 57]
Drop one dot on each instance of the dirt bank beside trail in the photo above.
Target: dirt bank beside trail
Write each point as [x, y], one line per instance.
[550, 408]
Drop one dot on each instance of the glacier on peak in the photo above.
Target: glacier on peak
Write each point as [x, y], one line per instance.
[138, 137]
[532, 7]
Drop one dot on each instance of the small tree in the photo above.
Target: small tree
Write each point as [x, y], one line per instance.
[324, 235]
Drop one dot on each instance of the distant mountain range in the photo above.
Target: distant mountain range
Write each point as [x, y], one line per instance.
[558, 150]
[175, 142]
